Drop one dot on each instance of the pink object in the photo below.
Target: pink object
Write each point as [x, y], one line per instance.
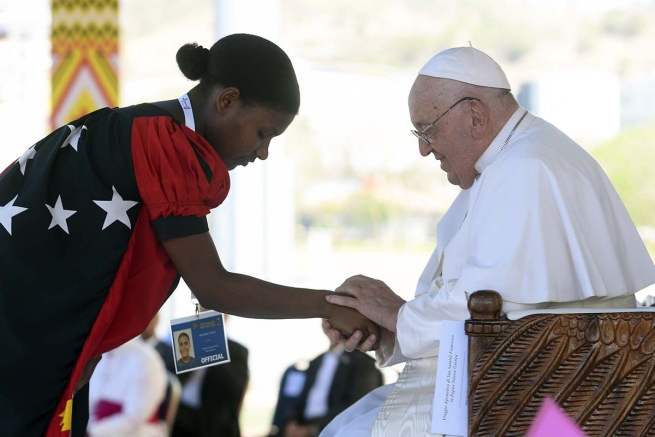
[552, 421]
[104, 409]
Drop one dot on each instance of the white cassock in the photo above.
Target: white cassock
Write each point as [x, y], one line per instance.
[130, 382]
[543, 226]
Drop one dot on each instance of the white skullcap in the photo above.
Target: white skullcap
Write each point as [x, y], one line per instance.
[468, 65]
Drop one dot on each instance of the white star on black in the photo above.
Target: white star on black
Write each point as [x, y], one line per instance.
[22, 161]
[74, 137]
[59, 215]
[116, 209]
[8, 211]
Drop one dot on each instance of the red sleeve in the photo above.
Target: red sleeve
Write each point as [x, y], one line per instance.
[168, 171]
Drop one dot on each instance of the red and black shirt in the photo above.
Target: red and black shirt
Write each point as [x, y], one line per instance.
[82, 268]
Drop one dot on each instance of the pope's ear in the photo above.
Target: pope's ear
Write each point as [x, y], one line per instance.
[227, 99]
[479, 119]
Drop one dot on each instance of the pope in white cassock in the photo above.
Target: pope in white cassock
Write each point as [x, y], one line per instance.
[537, 220]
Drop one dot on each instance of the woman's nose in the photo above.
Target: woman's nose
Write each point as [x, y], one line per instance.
[262, 152]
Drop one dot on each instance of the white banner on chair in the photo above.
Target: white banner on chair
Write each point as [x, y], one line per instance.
[450, 408]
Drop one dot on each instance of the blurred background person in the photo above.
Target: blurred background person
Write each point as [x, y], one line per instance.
[126, 391]
[291, 385]
[333, 381]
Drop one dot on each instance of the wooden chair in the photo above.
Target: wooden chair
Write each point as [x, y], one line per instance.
[599, 367]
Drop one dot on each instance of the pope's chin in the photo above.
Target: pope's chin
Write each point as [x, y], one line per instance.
[454, 179]
[450, 174]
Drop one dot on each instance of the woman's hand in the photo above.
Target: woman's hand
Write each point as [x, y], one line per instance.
[350, 323]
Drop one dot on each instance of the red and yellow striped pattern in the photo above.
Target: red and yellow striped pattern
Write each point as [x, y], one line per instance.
[85, 57]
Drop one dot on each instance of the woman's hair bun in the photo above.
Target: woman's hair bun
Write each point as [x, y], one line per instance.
[193, 60]
[257, 67]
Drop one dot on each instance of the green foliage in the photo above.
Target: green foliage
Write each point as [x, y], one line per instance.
[363, 210]
[623, 24]
[518, 34]
[628, 161]
[362, 214]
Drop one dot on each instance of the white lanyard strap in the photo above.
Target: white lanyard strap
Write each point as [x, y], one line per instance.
[185, 102]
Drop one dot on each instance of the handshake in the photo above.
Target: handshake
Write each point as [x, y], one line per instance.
[363, 314]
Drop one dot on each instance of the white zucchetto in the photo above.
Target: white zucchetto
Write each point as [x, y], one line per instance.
[468, 65]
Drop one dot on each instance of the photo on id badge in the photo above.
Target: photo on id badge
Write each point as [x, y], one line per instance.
[199, 341]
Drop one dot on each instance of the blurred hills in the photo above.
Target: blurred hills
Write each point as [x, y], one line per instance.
[522, 35]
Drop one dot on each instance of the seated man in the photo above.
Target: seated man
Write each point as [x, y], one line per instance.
[537, 220]
[291, 385]
[333, 381]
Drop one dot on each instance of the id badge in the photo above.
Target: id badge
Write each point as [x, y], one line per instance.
[199, 341]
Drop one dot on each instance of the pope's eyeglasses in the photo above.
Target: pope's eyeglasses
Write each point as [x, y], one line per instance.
[423, 136]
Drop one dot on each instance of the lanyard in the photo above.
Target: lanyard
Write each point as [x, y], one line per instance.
[185, 102]
[194, 301]
[190, 122]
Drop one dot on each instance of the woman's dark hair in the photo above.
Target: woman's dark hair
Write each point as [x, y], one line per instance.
[184, 334]
[259, 69]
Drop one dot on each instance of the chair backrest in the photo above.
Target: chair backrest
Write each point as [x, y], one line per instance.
[171, 402]
[599, 367]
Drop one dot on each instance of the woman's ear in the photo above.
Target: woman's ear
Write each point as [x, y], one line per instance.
[227, 99]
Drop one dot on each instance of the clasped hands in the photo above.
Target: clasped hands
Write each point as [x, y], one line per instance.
[374, 300]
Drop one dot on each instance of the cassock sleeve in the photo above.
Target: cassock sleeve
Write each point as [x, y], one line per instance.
[418, 330]
[388, 355]
[175, 181]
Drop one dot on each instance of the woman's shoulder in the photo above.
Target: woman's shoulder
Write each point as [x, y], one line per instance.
[143, 110]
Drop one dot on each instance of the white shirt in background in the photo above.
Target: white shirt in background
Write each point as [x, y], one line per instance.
[134, 377]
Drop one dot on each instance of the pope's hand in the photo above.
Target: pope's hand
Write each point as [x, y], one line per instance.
[372, 298]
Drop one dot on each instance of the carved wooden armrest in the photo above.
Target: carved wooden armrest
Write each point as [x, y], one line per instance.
[599, 367]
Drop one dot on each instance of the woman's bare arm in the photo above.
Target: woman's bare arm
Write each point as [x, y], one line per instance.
[197, 260]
